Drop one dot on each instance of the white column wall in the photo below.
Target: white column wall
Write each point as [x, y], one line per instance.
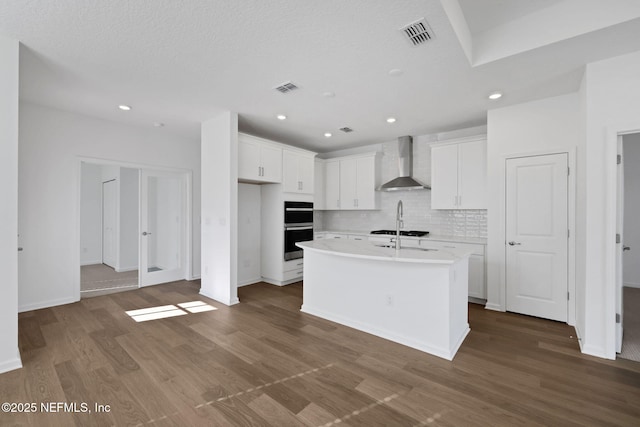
[9, 353]
[219, 153]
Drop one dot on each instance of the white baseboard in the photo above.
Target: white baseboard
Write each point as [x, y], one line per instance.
[231, 302]
[94, 262]
[122, 270]
[631, 285]
[492, 306]
[249, 282]
[445, 353]
[11, 364]
[279, 282]
[46, 304]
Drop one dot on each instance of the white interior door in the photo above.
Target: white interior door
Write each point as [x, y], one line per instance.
[619, 249]
[537, 236]
[162, 227]
[109, 218]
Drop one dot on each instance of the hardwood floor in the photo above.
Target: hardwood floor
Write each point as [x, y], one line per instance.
[262, 362]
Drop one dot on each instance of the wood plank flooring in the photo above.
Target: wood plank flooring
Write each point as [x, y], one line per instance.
[264, 363]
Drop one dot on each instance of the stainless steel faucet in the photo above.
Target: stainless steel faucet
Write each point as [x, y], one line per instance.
[399, 224]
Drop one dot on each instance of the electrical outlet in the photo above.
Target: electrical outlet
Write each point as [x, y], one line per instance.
[389, 300]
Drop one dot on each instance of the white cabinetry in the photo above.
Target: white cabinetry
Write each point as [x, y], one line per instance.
[332, 185]
[477, 281]
[350, 183]
[259, 160]
[298, 172]
[318, 182]
[459, 174]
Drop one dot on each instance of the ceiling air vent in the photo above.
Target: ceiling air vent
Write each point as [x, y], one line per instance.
[286, 87]
[346, 129]
[418, 32]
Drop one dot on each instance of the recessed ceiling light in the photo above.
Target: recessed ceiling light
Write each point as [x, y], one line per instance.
[391, 120]
[495, 95]
[395, 72]
[328, 94]
[124, 107]
[281, 117]
[327, 135]
[158, 124]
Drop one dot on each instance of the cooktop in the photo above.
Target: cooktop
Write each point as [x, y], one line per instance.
[413, 233]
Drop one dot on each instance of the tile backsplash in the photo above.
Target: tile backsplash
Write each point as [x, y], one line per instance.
[418, 214]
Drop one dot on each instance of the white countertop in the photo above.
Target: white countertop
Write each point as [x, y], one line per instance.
[435, 237]
[368, 250]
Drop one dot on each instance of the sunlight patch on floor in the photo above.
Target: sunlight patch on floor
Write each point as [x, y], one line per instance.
[165, 311]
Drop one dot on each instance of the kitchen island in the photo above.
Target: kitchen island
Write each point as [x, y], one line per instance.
[414, 297]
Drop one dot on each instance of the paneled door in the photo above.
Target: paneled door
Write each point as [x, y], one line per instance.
[162, 227]
[537, 235]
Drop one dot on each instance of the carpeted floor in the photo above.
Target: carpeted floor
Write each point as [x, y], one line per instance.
[631, 324]
[99, 277]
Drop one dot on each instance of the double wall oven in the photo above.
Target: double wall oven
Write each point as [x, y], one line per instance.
[298, 227]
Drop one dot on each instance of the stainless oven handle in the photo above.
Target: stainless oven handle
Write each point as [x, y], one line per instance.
[307, 227]
[298, 209]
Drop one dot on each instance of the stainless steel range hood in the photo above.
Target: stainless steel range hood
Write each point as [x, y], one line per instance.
[404, 181]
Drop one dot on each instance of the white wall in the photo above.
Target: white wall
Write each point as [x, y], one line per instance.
[612, 106]
[249, 232]
[51, 143]
[9, 353]
[631, 236]
[219, 157]
[91, 214]
[548, 125]
[128, 254]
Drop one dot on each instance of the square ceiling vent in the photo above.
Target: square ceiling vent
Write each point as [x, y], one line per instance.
[418, 33]
[286, 87]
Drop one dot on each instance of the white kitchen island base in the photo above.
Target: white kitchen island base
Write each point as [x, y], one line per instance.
[418, 299]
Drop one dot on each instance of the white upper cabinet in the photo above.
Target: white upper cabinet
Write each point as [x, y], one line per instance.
[332, 185]
[350, 183]
[298, 172]
[258, 160]
[459, 174]
[318, 182]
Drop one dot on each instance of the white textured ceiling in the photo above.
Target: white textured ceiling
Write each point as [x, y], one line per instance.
[181, 62]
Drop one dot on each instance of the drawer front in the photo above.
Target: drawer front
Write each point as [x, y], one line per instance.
[294, 264]
[474, 249]
[357, 237]
[292, 275]
[335, 236]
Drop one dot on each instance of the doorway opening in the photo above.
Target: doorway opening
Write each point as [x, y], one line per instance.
[628, 328]
[108, 229]
[134, 227]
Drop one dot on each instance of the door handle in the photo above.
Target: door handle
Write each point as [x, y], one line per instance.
[626, 248]
[512, 243]
[144, 233]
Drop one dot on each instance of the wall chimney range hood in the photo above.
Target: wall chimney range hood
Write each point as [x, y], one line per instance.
[404, 181]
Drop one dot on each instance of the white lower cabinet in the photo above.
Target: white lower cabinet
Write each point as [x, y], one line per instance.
[477, 275]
